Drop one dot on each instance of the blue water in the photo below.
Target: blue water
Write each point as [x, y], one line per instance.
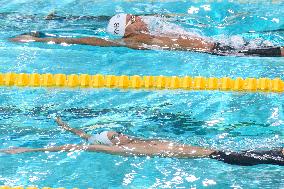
[220, 120]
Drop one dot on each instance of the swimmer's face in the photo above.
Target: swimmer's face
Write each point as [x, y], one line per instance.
[135, 25]
[118, 138]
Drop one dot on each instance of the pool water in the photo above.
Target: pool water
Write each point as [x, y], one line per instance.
[213, 119]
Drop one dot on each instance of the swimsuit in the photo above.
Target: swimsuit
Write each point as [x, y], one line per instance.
[220, 49]
[248, 158]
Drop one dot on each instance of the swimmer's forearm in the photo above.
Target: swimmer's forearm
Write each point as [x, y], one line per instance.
[66, 127]
[67, 147]
[71, 147]
[115, 150]
[79, 132]
[94, 41]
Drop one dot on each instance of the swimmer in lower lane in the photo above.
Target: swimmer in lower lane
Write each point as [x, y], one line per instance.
[120, 144]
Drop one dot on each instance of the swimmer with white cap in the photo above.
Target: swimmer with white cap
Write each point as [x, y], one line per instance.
[109, 138]
[105, 138]
[152, 32]
[124, 25]
[117, 25]
[117, 143]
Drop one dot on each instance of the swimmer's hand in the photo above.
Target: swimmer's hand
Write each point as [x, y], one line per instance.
[51, 16]
[24, 39]
[16, 150]
[62, 124]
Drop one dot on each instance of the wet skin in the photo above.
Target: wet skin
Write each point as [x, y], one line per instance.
[136, 37]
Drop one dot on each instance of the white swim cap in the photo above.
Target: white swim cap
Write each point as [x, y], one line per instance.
[116, 25]
[101, 138]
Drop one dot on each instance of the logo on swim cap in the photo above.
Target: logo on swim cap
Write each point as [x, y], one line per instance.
[116, 25]
[116, 28]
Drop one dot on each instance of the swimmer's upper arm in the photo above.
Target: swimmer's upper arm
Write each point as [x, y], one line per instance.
[139, 42]
[111, 43]
[94, 41]
[117, 150]
[179, 43]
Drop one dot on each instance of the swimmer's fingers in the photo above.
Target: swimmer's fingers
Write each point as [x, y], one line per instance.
[60, 123]
[15, 150]
[52, 15]
[58, 119]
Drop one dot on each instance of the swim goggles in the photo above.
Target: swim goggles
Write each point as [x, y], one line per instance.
[116, 135]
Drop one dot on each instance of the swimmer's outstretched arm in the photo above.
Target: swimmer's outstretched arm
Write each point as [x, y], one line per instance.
[93, 41]
[117, 150]
[66, 148]
[66, 127]
[145, 41]
[246, 158]
[83, 41]
[141, 42]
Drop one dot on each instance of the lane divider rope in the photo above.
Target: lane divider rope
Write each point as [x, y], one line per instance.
[141, 82]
